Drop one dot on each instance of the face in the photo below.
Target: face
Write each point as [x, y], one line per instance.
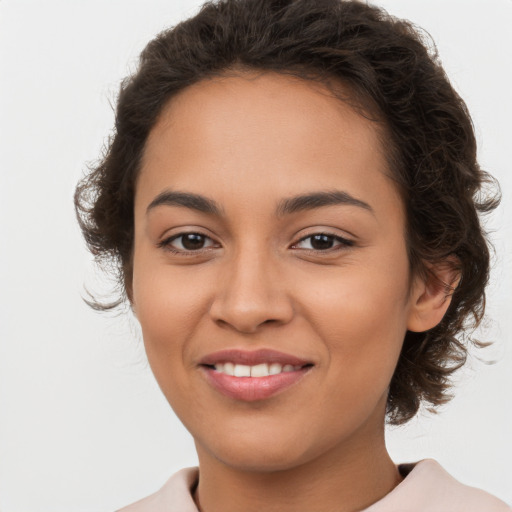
[270, 242]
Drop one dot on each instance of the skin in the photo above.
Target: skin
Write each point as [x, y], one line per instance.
[247, 142]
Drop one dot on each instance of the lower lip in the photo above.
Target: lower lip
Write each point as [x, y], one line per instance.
[251, 389]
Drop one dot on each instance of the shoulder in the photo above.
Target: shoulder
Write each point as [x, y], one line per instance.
[174, 496]
[428, 487]
[431, 489]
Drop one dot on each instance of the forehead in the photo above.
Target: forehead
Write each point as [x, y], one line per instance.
[238, 133]
[268, 105]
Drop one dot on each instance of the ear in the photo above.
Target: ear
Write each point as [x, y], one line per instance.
[432, 294]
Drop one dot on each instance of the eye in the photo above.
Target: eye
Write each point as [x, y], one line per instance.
[323, 242]
[187, 242]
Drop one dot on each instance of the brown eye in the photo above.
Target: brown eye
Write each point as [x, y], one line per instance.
[184, 242]
[192, 241]
[323, 242]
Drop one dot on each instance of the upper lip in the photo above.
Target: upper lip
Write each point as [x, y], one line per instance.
[252, 357]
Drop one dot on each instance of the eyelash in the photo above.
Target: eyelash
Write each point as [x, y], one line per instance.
[344, 243]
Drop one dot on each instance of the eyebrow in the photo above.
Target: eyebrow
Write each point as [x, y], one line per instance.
[286, 206]
[318, 200]
[188, 200]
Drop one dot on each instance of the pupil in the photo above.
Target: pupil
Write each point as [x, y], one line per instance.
[321, 241]
[193, 241]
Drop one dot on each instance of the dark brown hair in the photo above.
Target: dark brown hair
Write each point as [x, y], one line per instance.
[393, 73]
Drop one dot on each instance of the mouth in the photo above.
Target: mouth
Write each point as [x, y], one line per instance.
[256, 371]
[253, 375]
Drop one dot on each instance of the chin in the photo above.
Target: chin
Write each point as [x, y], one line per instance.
[262, 460]
[262, 451]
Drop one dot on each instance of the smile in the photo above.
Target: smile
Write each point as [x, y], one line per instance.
[258, 371]
[253, 375]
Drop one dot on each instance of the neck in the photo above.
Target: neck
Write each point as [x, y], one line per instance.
[341, 480]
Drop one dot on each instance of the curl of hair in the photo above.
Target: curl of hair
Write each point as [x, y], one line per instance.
[394, 77]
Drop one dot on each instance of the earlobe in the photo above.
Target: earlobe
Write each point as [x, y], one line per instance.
[432, 295]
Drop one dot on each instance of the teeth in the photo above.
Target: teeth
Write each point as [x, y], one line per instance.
[241, 370]
[275, 368]
[229, 368]
[259, 370]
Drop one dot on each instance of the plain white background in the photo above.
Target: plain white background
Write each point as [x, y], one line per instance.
[83, 426]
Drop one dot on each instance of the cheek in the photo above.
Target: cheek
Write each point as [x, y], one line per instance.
[168, 303]
[167, 307]
[361, 314]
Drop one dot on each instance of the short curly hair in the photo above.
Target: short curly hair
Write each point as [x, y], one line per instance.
[394, 77]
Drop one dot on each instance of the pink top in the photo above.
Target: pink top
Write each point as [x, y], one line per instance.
[427, 487]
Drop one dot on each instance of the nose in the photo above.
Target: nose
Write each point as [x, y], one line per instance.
[250, 293]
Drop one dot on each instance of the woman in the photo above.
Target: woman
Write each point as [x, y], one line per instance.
[291, 199]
